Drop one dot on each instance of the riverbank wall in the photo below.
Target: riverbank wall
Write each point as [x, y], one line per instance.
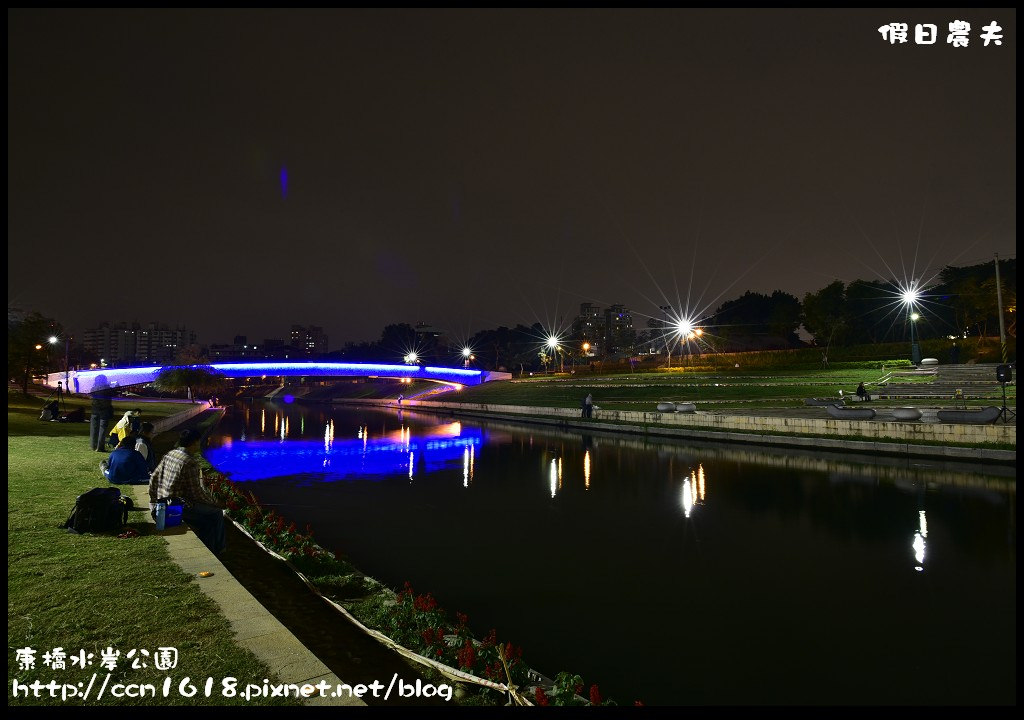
[935, 440]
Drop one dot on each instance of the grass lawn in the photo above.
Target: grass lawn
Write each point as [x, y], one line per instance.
[721, 391]
[91, 592]
[724, 390]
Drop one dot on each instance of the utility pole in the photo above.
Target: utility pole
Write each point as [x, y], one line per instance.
[1002, 323]
[67, 346]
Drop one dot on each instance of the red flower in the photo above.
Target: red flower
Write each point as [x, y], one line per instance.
[467, 656]
[595, 695]
[541, 697]
[462, 618]
[425, 603]
[637, 703]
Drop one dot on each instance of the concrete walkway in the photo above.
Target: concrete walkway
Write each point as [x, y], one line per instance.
[254, 627]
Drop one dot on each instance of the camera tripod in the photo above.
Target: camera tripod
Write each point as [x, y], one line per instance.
[1004, 412]
[61, 405]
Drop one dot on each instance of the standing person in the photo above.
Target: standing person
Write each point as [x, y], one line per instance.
[102, 413]
[583, 408]
[588, 404]
[144, 444]
[862, 392]
[178, 475]
[954, 355]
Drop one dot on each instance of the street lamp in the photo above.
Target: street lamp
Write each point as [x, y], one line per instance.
[553, 345]
[53, 341]
[467, 354]
[909, 296]
[915, 349]
[687, 332]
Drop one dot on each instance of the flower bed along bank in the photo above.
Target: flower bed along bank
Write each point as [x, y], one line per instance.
[413, 622]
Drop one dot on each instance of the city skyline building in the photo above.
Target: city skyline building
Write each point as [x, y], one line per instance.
[124, 343]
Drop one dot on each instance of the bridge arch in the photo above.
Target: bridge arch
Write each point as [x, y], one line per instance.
[85, 381]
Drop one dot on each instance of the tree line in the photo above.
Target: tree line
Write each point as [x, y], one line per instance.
[962, 301]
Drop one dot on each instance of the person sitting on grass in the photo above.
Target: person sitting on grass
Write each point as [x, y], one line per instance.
[178, 475]
[126, 466]
[132, 421]
[144, 444]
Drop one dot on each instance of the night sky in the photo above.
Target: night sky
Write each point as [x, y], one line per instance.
[241, 171]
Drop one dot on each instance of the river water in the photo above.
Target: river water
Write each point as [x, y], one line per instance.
[671, 572]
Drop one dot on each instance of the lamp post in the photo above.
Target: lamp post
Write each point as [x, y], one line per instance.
[467, 354]
[685, 329]
[67, 344]
[553, 346]
[909, 296]
[915, 349]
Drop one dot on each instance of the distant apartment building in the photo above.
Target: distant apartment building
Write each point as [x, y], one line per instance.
[618, 328]
[132, 343]
[605, 330]
[310, 340]
[589, 324]
[430, 341]
[239, 349]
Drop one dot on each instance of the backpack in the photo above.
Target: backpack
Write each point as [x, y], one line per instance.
[101, 510]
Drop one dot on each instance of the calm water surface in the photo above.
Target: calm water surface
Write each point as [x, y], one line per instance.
[672, 572]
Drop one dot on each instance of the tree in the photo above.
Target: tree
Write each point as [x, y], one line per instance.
[190, 355]
[399, 339]
[869, 311]
[195, 379]
[825, 314]
[23, 335]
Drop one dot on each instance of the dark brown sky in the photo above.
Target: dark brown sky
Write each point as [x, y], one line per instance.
[476, 168]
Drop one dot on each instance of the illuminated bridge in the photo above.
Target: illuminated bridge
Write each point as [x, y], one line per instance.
[84, 381]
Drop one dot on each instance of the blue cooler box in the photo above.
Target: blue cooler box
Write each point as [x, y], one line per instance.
[173, 516]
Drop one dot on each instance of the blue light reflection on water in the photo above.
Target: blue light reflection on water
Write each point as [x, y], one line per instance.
[340, 459]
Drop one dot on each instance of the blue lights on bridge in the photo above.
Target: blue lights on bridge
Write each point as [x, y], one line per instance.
[85, 381]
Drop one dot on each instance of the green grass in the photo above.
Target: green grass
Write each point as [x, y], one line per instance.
[90, 592]
[23, 415]
[779, 388]
[729, 389]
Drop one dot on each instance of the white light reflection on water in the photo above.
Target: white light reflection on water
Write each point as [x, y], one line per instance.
[263, 421]
[586, 469]
[687, 497]
[465, 468]
[412, 458]
[328, 442]
[919, 544]
[700, 482]
[553, 476]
